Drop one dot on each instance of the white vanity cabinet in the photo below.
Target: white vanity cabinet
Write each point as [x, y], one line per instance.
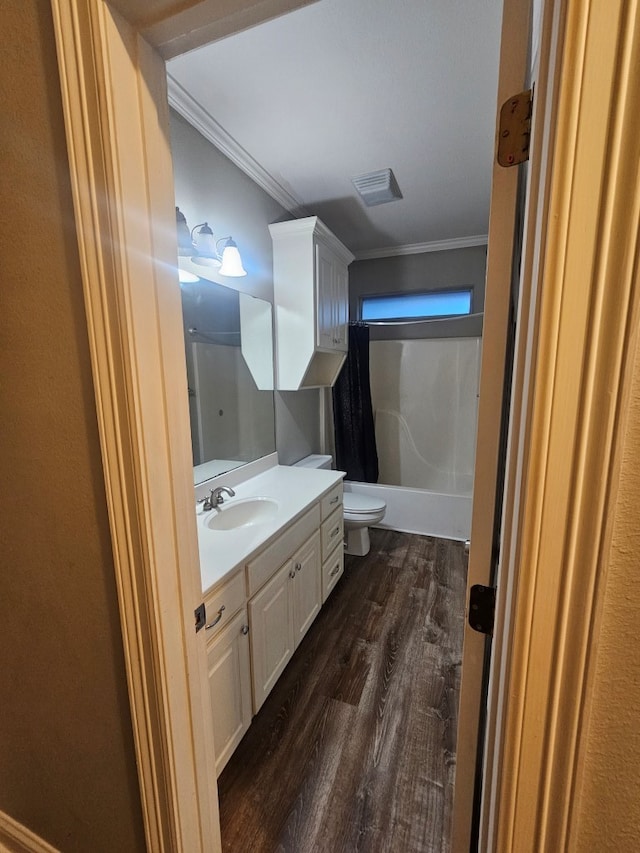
[310, 281]
[281, 614]
[258, 613]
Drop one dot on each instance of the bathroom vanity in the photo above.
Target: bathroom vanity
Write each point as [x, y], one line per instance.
[269, 556]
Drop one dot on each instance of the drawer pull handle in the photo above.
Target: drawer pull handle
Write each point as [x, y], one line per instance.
[335, 571]
[335, 532]
[298, 566]
[245, 629]
[217, 619]
[335, 500]
[292, 574]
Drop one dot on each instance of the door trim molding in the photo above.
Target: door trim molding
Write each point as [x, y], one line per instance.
[16, 838]
[546, 81]
[586, 337]
[116, 119]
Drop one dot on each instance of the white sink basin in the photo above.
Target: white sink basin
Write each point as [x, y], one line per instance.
[243, 513]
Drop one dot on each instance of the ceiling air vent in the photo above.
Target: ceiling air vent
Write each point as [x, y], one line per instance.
[377, 187]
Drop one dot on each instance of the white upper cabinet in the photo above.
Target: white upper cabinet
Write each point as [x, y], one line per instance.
[310, 282]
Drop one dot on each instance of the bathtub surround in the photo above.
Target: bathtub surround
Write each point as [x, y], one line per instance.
[419, 510]
[425, 401]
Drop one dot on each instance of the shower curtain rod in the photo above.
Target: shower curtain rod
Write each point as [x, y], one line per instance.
[193, 331]
[414, 322]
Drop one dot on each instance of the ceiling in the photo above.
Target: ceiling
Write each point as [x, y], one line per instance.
[308, 100]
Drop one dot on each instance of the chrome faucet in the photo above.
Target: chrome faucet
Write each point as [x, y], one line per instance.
[215, 497]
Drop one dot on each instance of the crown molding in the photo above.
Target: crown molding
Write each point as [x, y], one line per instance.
[419, 248]
[193, 112]
[198, 117]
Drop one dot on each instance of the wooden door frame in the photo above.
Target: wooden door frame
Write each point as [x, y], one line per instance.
[116, 119]
[117, 126]
[584, 337]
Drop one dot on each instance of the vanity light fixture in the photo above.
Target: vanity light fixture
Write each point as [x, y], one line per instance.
[207, 254]
[201, 246]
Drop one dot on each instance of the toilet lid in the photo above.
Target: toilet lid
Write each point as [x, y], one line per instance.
[356, 503]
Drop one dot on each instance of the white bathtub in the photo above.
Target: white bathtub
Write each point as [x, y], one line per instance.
[420, 511]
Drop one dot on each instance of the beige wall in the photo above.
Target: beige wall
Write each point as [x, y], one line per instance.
[67, 765]
[609, 806]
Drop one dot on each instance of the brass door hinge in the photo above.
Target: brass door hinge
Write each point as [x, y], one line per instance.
[514, 131]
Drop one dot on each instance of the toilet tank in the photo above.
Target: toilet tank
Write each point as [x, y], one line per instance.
[316, 460]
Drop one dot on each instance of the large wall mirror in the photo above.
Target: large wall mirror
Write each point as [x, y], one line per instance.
[229, 353]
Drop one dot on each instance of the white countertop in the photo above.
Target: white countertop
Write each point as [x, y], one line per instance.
[294, 489]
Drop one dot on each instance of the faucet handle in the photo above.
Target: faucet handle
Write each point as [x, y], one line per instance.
[209, 502]
[214, 498]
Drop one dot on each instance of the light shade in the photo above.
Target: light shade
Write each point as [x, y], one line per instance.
[205, 242]
[185, 244]
[186, 277]
[231, 260]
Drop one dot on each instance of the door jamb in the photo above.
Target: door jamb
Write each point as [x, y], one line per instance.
[589, 292]
[512, 76]
[117, 126]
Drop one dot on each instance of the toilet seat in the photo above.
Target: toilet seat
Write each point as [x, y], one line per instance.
[355, 504]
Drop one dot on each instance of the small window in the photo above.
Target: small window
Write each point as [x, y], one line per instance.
[417, 306]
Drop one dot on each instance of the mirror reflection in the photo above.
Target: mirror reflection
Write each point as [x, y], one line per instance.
[229, 354]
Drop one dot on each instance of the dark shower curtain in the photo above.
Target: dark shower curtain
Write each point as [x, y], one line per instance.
[353, 413]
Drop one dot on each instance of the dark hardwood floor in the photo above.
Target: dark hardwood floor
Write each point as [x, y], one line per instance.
[354, 750]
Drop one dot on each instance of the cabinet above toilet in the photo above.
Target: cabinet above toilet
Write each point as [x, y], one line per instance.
[310, 282]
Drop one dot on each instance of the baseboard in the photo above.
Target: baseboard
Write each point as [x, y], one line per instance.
[16, 838]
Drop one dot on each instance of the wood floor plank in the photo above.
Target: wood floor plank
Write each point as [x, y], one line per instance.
[354, 750]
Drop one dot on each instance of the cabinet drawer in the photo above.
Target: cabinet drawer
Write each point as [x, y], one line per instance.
[223, 603]
[331, 501]
[332, 571]
[260, 569]
[331, 532]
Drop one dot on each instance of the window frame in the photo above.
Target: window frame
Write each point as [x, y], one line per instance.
[441, 291]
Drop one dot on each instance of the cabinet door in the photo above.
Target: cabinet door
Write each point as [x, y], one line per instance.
[230, 687]
[325, 301]
[272, 638]
[340, 306]
[306, 587]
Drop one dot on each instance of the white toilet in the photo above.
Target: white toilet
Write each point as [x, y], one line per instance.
[360, 511]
